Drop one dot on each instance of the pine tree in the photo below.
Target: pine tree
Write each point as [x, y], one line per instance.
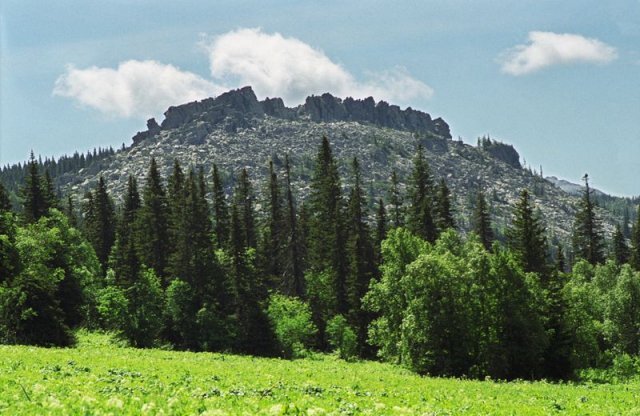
[481, 221]
[360, 255]
[326, 241]
[49, 191]
[588, 242]
[421, 220]
[635, 243]
[380, 232]
[176, 195]
[244, 201]
[526, 237]
[620, 248]
[273, 244]
[125, 260]
[153, 237]
[560, 263]
[444, 215]
[220, 210]
[395, 198]
[5, 203]
[70, 212]
[100, 224]
[293, 264]
[35, 204]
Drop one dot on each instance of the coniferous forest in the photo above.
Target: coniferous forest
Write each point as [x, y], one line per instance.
[182, 263]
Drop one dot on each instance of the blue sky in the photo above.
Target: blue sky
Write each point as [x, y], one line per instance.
[558, 79]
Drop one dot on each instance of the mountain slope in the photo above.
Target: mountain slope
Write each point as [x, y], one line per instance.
[236, 131]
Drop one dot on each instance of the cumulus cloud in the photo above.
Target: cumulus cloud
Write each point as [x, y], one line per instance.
[134, 88]
[275, 65]
[547, 49]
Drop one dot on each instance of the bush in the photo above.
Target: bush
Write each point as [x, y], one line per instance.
[342, 337]
[291, 321]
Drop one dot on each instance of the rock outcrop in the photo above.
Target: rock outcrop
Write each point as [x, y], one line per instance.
[235, 109]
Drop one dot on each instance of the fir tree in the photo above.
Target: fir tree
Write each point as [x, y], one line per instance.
[176, 195]
[35, 203]
[100, 224]
[620, 249]
[526, 237]
[243, 196]
[635, 243]
[293, 266]
[380, 232]
[444, 215]
[395, 199]
[274, 227]
[220, 210]
[481, 221]
[326, 231]
[588, 242]
[153, 238]
[5, 203]
[70, 212]
[421, 220]
[361, 256]
[124, 260]
[49, 191]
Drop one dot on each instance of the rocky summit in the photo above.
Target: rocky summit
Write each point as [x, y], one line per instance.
[235, 130]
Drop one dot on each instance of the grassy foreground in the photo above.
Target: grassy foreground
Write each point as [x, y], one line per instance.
[99, 377]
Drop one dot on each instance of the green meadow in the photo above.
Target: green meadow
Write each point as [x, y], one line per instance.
[100, 377]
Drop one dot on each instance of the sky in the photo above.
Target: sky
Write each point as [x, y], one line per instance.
[560, 80]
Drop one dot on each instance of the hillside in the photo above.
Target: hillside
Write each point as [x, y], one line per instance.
[235, 130]
[98, 377]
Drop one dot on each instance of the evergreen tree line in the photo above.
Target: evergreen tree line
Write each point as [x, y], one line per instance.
[181, 263]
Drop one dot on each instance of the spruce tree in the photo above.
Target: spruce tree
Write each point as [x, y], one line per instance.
[153, 236]
[620, 249]
[326, 245]
[526, 237]
[481, 221]
[176, 195]
[70, 212]
[361, 256]
[125, 260]
[220, 210]
[273, 243]
[635, 243]
[49, 191]
[100, 224]
[5, 203]
[380, 232]
[444, 214]
[35, 203]
[588, 241]
[395, 199]
[244, 198]
[421, 219]
[293, 265]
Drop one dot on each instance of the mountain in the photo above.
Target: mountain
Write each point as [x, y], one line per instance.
[235, 130]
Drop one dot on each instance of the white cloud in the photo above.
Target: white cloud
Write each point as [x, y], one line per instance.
[547, 49]
[273, 65]
[276, 66]
[134, 89]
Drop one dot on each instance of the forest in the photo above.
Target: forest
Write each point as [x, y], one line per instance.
[182, 265]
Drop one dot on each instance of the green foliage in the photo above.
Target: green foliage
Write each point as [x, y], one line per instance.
[292, 325]
[588, 240]
[342, 338]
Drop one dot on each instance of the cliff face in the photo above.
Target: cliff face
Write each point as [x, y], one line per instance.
[236, 108]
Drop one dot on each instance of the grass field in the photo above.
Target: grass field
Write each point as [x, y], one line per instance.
[98, 377]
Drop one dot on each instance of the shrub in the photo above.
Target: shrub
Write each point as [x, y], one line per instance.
[291, 321]
[342, 337]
